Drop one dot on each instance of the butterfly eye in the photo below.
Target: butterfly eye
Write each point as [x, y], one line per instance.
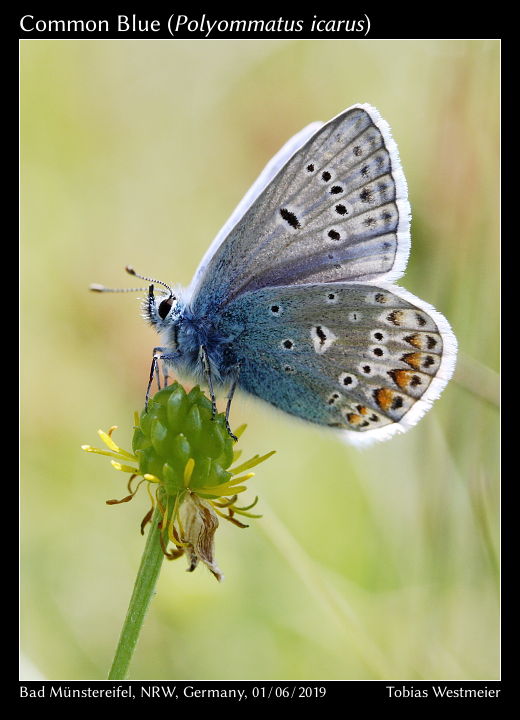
[165, 307]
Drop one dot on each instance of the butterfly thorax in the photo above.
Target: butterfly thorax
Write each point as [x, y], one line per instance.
[187, 334]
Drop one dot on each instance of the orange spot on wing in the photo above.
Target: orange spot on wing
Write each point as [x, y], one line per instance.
[400, 377]
[354, 419]
[395, 317]
[412, 359]
[415, 340]
[384, 397]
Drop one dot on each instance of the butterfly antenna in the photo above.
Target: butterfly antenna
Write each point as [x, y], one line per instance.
[96, 287]
[131, 271]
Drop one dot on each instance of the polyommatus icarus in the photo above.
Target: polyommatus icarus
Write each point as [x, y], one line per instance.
[294, 301]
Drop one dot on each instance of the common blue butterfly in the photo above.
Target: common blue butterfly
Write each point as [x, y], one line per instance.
[295, 300]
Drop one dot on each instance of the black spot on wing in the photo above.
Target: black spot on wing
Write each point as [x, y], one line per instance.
[322, 336]
[290, 218]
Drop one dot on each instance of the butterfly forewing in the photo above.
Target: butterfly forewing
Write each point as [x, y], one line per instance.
[336, 211]
[356, 356]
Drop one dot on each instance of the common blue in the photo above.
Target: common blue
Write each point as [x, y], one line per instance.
[295, 300]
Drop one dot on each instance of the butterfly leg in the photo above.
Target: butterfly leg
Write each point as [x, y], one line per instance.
[207, 374]
[165, 374]
[157, 373]
[166, 377]
[154, 371]
[236, 372]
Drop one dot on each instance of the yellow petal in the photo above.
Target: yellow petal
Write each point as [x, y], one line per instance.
[242, 478]
[89, 448]
[112, 445]
[188, 470]
[125, 468]
[246, 514]
[151, 478]
[256, 460]
[221, 490]
[240, 430]
[247, 507]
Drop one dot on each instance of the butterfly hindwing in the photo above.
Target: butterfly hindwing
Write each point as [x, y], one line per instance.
[367, 358]
[337, 210]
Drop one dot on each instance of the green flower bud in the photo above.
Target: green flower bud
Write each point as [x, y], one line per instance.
[178, 426]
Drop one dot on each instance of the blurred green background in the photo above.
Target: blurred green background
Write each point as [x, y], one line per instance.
[381, 563]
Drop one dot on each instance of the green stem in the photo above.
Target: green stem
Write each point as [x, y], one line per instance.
[143, 590]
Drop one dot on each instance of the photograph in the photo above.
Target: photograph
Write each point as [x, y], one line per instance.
[260, 434]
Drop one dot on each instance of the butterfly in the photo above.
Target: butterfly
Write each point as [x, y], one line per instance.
[295, 300]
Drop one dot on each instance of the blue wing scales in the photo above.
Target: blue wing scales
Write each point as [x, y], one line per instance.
[364, 357]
